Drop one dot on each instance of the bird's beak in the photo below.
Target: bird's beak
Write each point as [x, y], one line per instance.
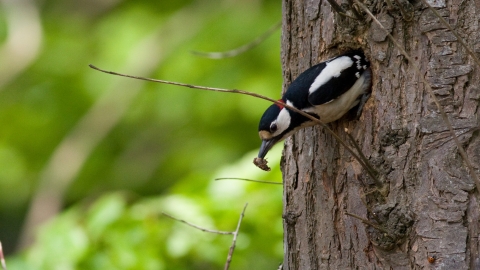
[265, 147]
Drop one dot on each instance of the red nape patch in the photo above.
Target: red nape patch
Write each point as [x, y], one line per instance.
[280, 105]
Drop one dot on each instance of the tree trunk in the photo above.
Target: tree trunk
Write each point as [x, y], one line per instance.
[428, 206]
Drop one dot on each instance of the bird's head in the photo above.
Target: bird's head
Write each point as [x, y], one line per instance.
[275, 125]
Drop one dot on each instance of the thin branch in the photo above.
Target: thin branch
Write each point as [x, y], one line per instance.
[186, 85]
[2, 258]
[462, 152]
[369, 223]
[362, 156]
[241, 49]
[249, 180]
[235, 234]
[236, 91]
[197, 227]
[460, 39]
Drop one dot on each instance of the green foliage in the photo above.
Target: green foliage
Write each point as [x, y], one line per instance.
[123, 231]
[163, 153]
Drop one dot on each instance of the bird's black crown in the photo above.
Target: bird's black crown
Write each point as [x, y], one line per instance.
[268, 117]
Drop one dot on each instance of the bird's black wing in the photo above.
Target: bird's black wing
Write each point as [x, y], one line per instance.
[336, 85]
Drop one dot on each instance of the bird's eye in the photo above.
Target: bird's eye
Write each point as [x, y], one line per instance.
[273, 128]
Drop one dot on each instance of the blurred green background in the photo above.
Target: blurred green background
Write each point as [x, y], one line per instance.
[89, 161]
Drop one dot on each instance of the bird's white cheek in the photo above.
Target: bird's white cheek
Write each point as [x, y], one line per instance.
[283, 121]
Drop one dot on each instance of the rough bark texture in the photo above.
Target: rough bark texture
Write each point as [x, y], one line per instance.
[428, 204]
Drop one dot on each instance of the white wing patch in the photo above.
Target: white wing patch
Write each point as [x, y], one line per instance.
[359, 58]
[333, 110]
[333, 69]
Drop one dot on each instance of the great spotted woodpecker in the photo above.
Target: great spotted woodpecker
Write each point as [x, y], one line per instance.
[327, 91]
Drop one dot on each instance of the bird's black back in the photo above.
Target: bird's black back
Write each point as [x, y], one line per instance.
[298, 91]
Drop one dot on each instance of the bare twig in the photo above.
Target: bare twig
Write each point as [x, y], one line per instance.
[241, 49]
[462, 152]
[369, 223]
[459, 38]
[235, 234]
[195, 226]
[362, 156]
[249, 180]
[2, 258]
[236, 91]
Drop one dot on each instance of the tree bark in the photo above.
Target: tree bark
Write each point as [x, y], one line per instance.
[428, 205]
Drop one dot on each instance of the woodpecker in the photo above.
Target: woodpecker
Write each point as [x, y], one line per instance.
[326, 91]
